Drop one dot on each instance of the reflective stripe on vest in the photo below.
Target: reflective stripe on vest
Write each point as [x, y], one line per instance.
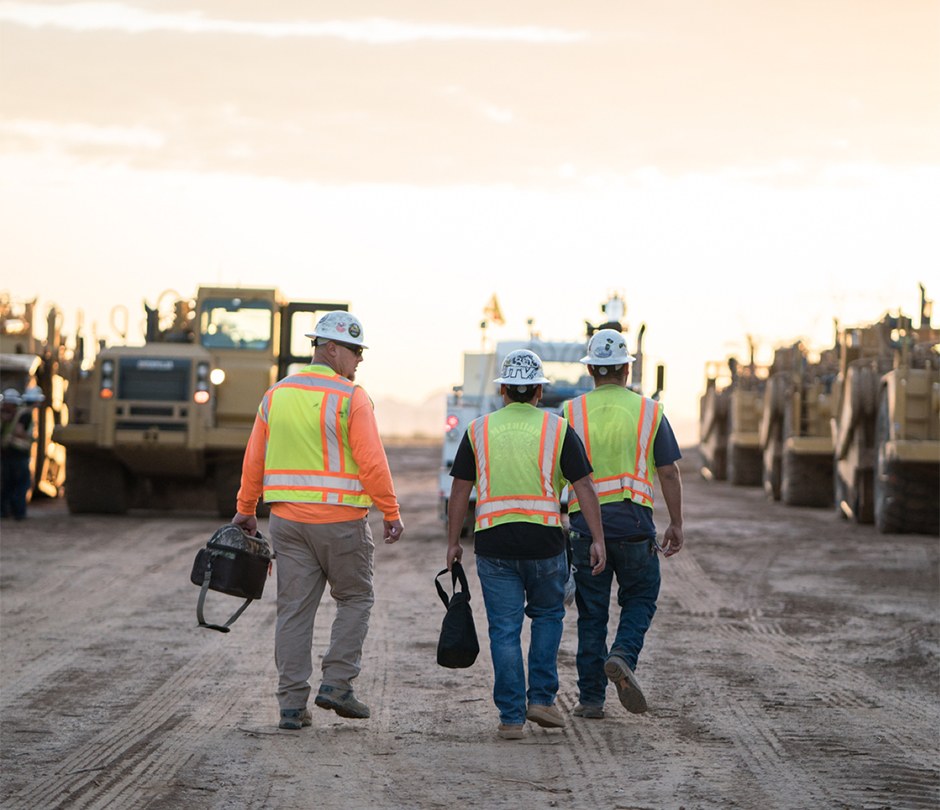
[532, 495]
[610, 483]
[307, 458]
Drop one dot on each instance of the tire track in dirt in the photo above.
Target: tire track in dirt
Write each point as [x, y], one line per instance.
[813, 683]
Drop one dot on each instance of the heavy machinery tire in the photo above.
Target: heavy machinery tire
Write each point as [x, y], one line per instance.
[745, 466]
[806, 480]
[227, 479]
[772, 469]
[905, 496]
[95, 484]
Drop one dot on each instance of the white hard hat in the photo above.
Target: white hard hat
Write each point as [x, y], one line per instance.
[607, 347]
[11, 396]
[521, 367]
[34, 396]
[339, 326]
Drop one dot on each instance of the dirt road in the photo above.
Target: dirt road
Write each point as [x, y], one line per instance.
[793, 664]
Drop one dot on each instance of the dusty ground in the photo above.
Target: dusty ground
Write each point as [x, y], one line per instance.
[793, 664]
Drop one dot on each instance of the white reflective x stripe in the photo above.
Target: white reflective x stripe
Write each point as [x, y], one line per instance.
[644, 434]
[332, 460]
[627, 482]
[309, 481]
[544, 505]
[577, 417]
[318, 383]
[479, 444]
[551, 424]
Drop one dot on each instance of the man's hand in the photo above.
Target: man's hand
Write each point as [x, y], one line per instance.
[454, 554]
[672, 540]
[598, 557]
[247, 523]
[394, 529]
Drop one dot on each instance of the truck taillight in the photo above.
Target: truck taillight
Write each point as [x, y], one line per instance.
[201, 396]
[451, 423]
[107, 380]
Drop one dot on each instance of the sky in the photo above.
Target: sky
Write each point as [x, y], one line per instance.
[733, 168]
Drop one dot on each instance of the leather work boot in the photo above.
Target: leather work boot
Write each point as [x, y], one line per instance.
[545, 716]
[591, 712]
[628, 690]
[510, 731]
[341, 701]
[294, 719]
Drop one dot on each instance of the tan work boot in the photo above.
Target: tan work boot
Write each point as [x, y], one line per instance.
[628, 690]
[545, 716]
[342, 702]
[510, 731]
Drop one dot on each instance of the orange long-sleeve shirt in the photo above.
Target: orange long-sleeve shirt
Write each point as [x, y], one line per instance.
[367, 451]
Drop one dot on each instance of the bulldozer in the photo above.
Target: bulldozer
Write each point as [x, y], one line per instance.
[886, 424]
[165, 424]
[795, 433]
[29, 361]
[730, 412]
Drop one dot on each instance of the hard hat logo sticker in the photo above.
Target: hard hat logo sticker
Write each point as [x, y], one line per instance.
[354, 330]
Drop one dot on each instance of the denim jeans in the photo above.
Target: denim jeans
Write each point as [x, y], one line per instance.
[636, 566]
[537, 589]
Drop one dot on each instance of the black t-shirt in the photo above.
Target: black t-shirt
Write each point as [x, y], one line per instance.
[520, 540]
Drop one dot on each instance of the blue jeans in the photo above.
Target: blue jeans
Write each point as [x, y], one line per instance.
[636, 566]
[537, 589]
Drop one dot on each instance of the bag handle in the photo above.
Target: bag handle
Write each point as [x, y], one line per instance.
[224, 628]
[457, 573]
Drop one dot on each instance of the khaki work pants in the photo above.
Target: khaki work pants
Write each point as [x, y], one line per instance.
[310, 555]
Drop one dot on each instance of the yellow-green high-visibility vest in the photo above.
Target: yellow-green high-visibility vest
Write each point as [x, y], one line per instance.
[617, 427]
[518, 453]
[307, 458]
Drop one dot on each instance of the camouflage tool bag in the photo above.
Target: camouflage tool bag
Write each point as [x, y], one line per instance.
[234, 563]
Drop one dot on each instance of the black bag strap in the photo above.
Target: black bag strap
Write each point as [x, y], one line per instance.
[457, 573]
[224, 628]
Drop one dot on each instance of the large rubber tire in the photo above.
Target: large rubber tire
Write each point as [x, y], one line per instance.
[226, 480]
[905, 496]
[95, 485]
[745, 466]
[805, 480]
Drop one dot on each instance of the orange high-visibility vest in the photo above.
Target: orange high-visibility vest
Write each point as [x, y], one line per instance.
[518, 453]
[617, 427]
[307, 457]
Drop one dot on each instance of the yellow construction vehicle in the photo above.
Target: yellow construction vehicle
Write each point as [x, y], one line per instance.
[795, 433]
[730, 413]
[886, 426]
[40, 366]
[165, 424]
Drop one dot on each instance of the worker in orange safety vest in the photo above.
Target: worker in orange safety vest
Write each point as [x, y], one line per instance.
[316, 457]
[519, 458]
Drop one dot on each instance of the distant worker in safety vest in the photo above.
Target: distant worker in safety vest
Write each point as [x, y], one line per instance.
[315, 455]
[519, 458]
[16, 446]
[628, 440]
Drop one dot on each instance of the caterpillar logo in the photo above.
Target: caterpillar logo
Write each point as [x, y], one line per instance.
[155, 365]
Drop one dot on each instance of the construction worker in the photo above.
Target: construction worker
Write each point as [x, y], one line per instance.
[16, 444]
[627, 439]
[519, 458]
[315, 455]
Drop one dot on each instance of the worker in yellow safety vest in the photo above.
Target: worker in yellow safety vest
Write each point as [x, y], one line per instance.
[316, 457]
[629, 441]
[519, 458]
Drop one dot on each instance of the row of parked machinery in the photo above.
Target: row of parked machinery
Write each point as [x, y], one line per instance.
[164, 422]
[856, 426]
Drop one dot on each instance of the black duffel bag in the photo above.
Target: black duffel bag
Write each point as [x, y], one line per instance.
[457, 647]
[234, 563]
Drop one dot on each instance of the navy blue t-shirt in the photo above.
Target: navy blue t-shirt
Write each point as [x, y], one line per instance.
[626, 519]
[521, 540]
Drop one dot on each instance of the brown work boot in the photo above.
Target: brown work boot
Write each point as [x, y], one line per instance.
[591, 712]
[294, 719]
[510, 731]
[628, 690]
[342, 702]
[545, 716]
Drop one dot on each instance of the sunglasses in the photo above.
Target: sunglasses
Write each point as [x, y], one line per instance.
[356, 350]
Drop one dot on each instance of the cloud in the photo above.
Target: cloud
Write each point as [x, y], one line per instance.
[81, 134]
[374, 31]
